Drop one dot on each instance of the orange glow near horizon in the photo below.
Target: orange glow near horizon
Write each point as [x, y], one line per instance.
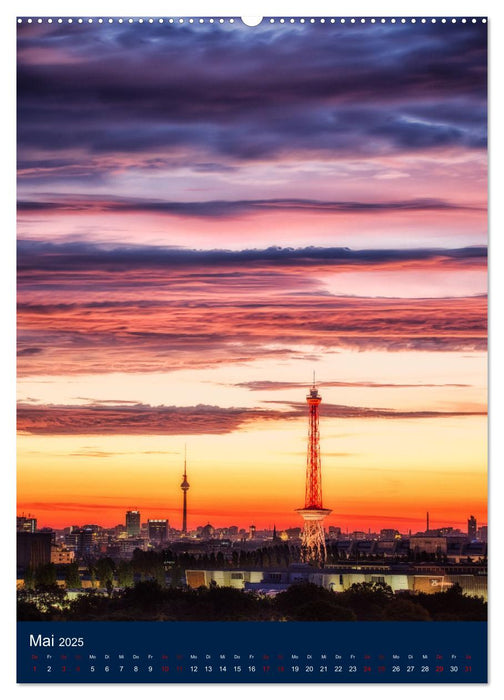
[400, 469]
[270, 203]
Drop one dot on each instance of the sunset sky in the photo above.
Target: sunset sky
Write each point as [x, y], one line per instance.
[210, 213]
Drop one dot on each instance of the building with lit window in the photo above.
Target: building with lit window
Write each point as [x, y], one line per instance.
[62, 555]
[158, 530]
[472, 528]
[423, 578]
[133, 523]
[24, 524]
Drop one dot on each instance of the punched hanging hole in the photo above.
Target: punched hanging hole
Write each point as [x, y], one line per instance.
[251, 21]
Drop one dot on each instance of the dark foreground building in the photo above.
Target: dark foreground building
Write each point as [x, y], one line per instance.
[33, 549]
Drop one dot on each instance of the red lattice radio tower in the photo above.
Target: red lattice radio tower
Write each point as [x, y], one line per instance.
[313, 538]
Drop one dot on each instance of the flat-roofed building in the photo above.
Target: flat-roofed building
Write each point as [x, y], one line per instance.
[338, 578]
[133, 523]
[158, 530]
[61, 555]
[428, 544]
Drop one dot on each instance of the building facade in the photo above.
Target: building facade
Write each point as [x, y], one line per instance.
[133, 523]
[33, 549]
[417, 579]
[158, 530]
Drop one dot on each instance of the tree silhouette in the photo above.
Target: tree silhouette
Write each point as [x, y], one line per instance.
[72, 577]
[125, 576]
[27, 608]
[104, 570]
[296, 596]
[29, 578]
[324, 611]
[406, 610]
[45, 575]
[367, 599]
[151, 600]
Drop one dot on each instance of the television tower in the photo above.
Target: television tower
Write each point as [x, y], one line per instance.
[185, 488]
[313, 548]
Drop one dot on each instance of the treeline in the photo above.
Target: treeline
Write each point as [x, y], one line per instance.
[150, 601]
[272, 556]
[284, 554]
[169, 566]
[162, 566]
[105, 572]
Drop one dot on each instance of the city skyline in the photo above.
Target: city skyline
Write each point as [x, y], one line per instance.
[224, 210]
[175, 512]
[28, 523]
[221, 521]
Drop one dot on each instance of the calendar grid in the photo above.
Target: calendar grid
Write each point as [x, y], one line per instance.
[245, 653]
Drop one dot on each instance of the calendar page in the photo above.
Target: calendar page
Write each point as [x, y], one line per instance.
[252, 298]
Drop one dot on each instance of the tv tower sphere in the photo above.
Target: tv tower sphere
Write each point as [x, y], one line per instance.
[313, 549]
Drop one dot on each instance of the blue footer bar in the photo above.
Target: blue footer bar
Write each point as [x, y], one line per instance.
[252, 652]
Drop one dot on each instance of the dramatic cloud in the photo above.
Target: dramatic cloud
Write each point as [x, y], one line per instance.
[281, 386]
[234, 95]
[86, 453]
[160, 309]
[88, 258]
[223, 209]
[203, 206]
[341, 411]
[28, 352]
[143, 419]
[140, 419]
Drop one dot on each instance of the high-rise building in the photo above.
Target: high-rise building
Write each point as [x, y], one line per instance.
[471, 528]
[33, 549]
[133, 523]
[84, 542]
[185, 488]
[26, 524]
[313, 547]
[158, 530]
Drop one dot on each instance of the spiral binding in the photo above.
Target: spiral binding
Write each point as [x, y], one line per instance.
[240, 22]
